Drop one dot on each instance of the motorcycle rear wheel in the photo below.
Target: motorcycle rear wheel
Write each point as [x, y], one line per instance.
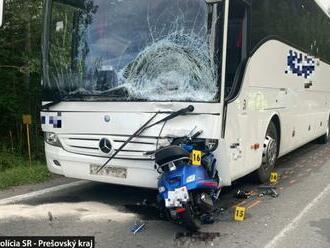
[190, 219]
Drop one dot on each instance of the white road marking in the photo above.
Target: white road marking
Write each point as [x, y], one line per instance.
[34, 194]
[293, 224]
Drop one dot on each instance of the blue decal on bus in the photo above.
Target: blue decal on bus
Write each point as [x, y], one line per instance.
[300, 64]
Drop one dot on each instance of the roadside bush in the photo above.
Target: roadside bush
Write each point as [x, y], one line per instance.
[15, 170]
[9, 160]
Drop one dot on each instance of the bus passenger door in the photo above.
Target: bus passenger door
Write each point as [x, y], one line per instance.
[237, 45]
[236, 122]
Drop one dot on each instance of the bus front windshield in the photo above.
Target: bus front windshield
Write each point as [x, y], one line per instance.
[128, 50]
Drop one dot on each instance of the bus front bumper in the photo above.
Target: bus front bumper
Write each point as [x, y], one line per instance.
[139, 173]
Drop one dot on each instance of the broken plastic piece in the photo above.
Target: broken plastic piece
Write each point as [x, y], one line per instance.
[268, 190]
[207, 219]
[138, 227]
[243, 194]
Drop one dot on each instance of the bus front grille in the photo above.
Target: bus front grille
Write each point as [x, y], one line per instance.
[90, 145]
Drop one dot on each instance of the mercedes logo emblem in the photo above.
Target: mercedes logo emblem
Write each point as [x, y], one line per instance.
[105, 145]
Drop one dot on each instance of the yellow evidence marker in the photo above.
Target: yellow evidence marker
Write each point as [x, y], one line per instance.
[273, 177]
[196, 157]
[239, 214]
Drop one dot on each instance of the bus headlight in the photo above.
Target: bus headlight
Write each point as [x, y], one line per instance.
[52, 139]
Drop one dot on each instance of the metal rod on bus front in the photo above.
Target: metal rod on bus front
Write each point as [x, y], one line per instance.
[145, 126]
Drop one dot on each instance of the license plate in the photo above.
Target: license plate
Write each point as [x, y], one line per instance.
[177, 197]
[108, 171]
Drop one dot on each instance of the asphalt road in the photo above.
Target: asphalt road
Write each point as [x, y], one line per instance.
[299, 217]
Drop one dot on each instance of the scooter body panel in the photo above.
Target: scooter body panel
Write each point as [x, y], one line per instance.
[192, 177]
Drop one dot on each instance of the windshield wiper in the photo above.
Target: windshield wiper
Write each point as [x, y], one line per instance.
[146, 126]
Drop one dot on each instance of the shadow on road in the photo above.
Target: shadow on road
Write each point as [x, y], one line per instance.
[142, 202]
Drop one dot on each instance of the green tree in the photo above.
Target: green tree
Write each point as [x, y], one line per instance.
[20, 52]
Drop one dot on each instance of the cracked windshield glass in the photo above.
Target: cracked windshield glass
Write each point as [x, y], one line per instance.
[148, 50]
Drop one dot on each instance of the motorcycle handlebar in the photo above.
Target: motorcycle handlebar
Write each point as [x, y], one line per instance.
[147, 153]
[150, 152]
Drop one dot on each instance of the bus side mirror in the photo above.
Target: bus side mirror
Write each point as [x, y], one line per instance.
[1, 12]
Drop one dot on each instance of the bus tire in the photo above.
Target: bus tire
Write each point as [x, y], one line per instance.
[324, 139]
[269, 154]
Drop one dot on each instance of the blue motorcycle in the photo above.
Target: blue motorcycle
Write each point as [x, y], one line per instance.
[189, 183]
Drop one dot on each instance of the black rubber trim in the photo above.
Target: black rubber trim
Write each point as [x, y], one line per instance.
[84, 139]
[118, 135]
[238, 81]
[135, 142]
[123, 150]
[119, 158]
[85, 147]
[144, 112]
[119, 141]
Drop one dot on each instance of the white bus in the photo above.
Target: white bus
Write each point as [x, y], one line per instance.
[256, 71]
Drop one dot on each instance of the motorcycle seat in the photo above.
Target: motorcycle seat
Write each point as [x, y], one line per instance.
[170, 154]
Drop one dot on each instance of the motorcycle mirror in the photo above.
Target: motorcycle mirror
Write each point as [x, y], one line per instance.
[194, 134]
[191, 133]
[197, 134]
[149, 153]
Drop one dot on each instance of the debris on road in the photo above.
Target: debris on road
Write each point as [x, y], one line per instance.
[268, 190]
[138, 227]
[264, 190]
[219, 214]
[207, 219]
[240, 194]
[145, 202]
[50, 216]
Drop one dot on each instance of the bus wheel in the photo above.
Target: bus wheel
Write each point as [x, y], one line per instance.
[269, 154]
[325, 138]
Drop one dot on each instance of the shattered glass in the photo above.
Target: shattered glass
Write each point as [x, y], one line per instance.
[151, 50]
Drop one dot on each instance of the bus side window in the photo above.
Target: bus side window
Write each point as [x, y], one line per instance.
[236, 41]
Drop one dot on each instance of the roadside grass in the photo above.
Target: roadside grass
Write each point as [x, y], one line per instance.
[15, 170]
